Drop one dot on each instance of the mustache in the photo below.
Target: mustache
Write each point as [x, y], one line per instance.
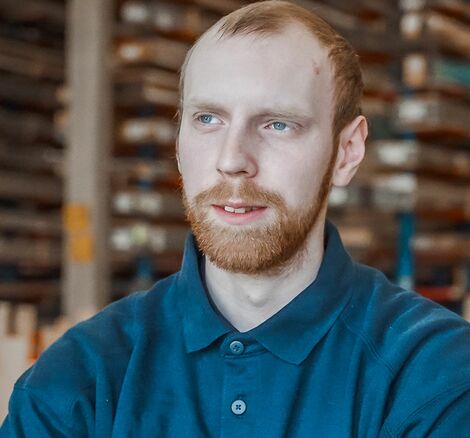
[247, 191]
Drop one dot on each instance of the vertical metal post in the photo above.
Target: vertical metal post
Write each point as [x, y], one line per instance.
[86, 271]
[466, 297]
[405, 262]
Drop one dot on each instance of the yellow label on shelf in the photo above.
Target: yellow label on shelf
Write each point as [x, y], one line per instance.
[76, 217]
[81, 248]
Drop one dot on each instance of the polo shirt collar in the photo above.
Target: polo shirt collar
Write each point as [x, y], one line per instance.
[293, 332]
[201, 324]
[290, 334]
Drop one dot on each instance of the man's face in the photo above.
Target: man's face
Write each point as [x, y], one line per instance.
[256, 133]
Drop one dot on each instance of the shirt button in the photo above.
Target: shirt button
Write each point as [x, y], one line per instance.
[238, 407]
[236, 347]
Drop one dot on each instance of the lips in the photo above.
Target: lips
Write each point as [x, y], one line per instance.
[239, 210]
[242, 214]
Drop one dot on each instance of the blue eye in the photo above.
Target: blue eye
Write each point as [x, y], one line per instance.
[279, 126]
[205, 118]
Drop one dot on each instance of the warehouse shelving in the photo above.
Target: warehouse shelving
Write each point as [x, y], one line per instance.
[433, 111]
[426, 173]
[416, 171]
[32, 60]
[90, 212]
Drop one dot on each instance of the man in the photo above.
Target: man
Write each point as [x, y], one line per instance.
[269, 329]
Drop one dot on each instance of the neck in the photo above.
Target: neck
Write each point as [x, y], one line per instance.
[247, 301]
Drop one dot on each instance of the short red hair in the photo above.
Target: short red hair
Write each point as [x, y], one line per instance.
[272, 16]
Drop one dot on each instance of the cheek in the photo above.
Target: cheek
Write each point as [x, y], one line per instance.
[195, 149]
[195, 165]
[298, 181]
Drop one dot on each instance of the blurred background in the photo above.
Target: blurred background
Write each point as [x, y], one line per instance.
[89, 204]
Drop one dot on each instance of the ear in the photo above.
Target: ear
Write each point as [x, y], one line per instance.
[351, 151]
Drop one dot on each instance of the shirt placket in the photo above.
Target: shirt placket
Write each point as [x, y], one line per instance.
[239, 393]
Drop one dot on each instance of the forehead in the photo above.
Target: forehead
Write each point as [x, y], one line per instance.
[289, 67]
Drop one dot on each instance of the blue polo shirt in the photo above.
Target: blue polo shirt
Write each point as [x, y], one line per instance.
[351, 356]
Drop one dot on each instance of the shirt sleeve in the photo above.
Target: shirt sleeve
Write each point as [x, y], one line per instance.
[448, 414]
[30, 416]
[455, 421]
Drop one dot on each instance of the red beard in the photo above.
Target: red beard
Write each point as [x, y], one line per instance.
[266, 248]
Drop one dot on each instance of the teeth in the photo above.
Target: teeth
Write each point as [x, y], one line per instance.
[239, 210]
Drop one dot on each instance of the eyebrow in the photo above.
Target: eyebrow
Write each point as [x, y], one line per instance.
[207, 106]
[287, 113]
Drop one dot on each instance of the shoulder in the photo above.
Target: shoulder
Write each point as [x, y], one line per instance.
[424, 346]
[396, 321]
[98, 348]
[85, 368]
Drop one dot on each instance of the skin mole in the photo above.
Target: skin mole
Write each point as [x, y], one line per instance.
[316, 68]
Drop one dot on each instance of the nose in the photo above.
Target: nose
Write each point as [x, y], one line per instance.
[236, 155]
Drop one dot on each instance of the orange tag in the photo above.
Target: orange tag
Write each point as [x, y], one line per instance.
[76, 217]
[81, 248]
